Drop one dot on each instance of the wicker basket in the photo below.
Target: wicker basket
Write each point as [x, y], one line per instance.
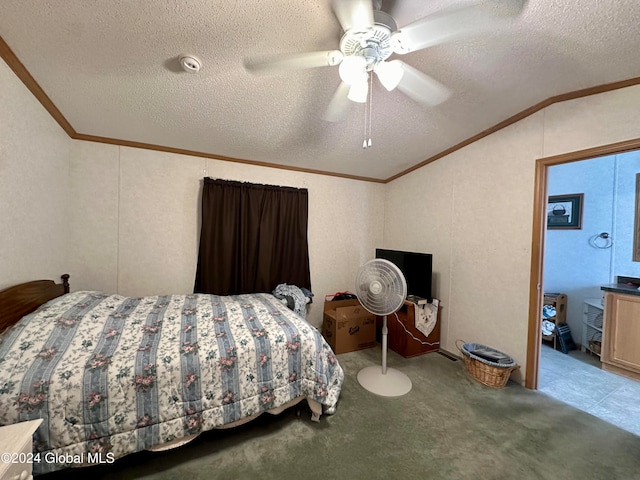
[488, 373]
[595, 346]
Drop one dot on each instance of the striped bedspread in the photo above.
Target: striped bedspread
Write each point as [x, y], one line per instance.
[115, 375]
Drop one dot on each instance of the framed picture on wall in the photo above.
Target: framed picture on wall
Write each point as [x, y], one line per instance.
[565, 211]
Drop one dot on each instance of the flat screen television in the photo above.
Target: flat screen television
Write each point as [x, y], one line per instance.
[416, 268]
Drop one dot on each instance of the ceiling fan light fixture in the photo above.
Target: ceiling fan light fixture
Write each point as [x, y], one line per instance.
[389, 73]
[352, 70]
[359, 91]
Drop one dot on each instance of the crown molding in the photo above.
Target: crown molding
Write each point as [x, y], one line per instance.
[193, 153]
[23, 74]
[521, 115]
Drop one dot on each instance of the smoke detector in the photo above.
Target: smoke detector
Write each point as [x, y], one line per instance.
[189, 63]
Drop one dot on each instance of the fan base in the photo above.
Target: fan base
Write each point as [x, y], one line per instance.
[394, 383]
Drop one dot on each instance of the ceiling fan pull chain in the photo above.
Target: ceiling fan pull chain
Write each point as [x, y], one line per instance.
[364, 132]
[370, 105]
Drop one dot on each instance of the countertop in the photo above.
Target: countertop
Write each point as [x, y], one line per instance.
[625, 288]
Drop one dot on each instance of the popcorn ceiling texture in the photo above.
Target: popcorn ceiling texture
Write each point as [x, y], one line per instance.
[111, 68]
[477, 206]
[92, 210]
[107, 195]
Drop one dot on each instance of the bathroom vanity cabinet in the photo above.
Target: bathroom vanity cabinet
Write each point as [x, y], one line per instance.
[621, 336]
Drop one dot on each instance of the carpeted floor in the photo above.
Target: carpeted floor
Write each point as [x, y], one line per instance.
[448, 427]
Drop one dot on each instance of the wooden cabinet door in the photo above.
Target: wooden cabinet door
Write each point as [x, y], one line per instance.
[623, 332]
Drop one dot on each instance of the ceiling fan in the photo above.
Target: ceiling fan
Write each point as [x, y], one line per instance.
[371, 37]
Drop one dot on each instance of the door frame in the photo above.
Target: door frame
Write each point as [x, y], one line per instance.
[537, 243]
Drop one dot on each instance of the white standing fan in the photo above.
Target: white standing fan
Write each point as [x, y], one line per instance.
[381, 288]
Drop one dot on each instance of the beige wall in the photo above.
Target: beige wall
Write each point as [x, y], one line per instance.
[135, 223]
[476, 214]
[125, 220]
[34, 153]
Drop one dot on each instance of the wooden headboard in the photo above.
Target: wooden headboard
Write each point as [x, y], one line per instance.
[22, 299]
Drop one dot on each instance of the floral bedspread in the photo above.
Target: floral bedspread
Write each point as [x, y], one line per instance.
[112, 375]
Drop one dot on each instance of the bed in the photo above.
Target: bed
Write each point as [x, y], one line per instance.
[112, 375]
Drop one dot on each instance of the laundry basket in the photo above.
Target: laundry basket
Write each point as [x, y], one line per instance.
[487, 365]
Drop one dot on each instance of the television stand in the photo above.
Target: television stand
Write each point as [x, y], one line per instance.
[401, 342]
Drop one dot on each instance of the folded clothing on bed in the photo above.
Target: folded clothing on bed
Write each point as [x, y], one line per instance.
[296, 298]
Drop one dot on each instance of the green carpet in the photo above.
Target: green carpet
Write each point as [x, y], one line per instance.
[448, 427]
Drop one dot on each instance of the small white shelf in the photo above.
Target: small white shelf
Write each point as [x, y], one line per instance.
[594, 302]
[592, 317]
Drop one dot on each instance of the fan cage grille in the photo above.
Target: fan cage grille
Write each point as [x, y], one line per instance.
[381, 287]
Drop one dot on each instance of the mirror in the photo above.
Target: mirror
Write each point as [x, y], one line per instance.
[636, 228]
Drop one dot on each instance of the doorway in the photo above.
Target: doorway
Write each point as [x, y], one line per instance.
[536, 287]
[594, 396]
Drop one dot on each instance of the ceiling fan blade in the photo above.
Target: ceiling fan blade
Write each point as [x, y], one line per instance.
[421, 87]
[455, 23]
[356, 15]
[339, 104]
[294, 61]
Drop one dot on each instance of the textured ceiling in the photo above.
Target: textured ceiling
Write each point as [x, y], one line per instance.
[110, 67]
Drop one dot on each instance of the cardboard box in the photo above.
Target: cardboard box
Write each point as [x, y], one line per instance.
[348, 326]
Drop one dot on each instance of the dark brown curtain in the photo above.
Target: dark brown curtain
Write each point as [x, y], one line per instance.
[253, 238]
